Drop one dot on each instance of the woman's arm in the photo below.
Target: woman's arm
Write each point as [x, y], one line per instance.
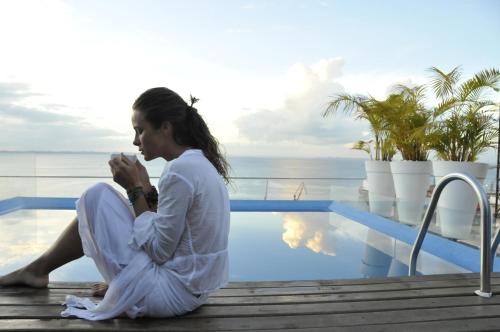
[134, 178]
[159, 233]
[150, 193]
[138, 200]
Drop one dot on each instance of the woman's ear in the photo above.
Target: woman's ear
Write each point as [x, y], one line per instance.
[166, 128]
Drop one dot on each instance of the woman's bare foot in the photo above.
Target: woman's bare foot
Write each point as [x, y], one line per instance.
[24, 277]
[99, 289]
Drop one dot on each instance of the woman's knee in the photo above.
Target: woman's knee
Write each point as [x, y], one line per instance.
[103, 198]
[95, 192]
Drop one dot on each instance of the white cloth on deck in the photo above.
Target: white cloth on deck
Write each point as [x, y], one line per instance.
[160, 264]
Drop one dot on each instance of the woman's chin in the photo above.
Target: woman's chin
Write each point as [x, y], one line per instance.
[148, 157]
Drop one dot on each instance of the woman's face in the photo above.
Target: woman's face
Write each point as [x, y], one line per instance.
[151, 141]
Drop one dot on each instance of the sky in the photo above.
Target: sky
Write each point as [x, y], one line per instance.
[264, 71]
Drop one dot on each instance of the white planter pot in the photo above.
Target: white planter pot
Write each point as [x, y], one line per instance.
[381, 193]
[375, 263]
[397, 269]
[411, 182]
[457, 204]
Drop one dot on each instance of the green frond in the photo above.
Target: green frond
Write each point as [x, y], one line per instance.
[443, 84]
[473, 88]
[414, 95]
[444, 106]
[345, 102]
[489, 78]
[363, 146]
[485, 105]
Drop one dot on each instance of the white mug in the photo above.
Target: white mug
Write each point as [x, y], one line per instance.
[131, 157]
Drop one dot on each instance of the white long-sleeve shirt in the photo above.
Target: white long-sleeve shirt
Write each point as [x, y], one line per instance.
[189, 233]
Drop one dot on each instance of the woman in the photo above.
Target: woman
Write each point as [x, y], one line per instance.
[157, 263]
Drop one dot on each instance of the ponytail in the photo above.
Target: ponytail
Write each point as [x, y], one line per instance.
[202, 139]
[161, 104]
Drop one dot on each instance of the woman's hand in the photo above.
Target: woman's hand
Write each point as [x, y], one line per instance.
[143, 176]
[126, 173]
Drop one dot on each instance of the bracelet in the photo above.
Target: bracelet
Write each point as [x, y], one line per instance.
[134, 193]
[152, 197]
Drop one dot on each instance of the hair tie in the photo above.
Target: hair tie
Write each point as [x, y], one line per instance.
[194, 100]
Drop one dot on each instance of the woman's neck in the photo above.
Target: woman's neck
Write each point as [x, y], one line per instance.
[176, 151]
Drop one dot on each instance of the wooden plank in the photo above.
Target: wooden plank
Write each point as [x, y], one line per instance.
[275, 322]
[49, 298]
[351, 288]
[208, 311]
[313, 283]
[44, 291]
[57, 296]
[364, 281]
[341, 307]
[322, 298]
[471, 324]
[300, 290]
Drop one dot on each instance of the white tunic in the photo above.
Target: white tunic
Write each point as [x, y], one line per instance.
[160, 264]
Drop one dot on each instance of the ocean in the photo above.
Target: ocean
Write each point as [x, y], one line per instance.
[57, 174]
[69, 174]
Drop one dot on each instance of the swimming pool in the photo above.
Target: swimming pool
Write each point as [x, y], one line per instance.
[269, 240]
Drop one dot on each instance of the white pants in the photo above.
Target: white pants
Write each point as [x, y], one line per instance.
[137, 285]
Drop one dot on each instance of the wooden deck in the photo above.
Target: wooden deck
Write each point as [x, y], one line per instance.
[439, 302]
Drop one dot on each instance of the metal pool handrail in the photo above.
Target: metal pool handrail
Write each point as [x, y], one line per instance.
[486, 254]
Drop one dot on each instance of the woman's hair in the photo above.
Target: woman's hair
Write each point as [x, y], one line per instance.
[189, 129]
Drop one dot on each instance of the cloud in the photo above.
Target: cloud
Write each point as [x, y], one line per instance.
[377, 84]
[28, 115]
[27, 127]
[13, 91]
[314, 232]
[299, 119]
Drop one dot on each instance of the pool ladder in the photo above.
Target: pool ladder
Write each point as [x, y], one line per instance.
[488, 249]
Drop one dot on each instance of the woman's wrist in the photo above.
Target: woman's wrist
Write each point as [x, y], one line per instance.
[134, 193]
[134, 185]
[147, 187]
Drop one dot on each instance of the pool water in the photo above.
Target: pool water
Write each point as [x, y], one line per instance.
[262, 246]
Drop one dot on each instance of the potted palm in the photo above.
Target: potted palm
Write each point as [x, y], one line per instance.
[380, 148]
[465, 129]
[409, 123]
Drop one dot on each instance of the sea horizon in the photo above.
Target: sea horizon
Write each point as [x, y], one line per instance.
[227, 155]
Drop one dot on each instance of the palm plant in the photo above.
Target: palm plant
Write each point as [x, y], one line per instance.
[467, 128]
[408, 121]
[462, 137]
[364, 108]
[364, 146]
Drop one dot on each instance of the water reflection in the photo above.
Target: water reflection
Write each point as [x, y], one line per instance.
[382, 257]
[262, 246]
[26, 234]
[321, 233]
[312, 231]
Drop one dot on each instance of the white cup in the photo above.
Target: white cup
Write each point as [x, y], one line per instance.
[130, 157]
